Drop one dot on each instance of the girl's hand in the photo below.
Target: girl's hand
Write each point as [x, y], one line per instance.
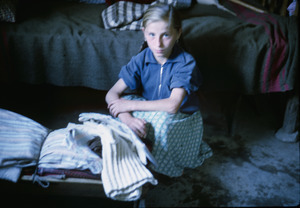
[119, 106]
[136, 124]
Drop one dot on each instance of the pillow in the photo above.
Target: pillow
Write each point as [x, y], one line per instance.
[8, 10]
[20, 143]
[110, 2]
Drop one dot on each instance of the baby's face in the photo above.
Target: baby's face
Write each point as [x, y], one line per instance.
[161, 39]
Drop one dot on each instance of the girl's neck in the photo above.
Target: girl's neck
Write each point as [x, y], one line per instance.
[161, 61]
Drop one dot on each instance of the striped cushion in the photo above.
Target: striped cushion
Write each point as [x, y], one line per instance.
[127, 15]
[20, 142]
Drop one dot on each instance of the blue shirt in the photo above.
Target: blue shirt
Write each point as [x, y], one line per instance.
[156, 81]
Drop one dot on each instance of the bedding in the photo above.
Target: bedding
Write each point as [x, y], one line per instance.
[65, 173]
[66, 44]
[68, 152]
[20, 142]
[58, 152]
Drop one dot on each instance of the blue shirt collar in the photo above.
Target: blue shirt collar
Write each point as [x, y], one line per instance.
[174, 57]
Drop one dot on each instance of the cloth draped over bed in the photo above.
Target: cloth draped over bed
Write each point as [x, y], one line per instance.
[66, 44]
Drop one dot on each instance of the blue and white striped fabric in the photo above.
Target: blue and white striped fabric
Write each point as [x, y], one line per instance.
[20, 142]
[177, 140]
[123, 172]
[124, 157]
[59, 151]
[127, 15]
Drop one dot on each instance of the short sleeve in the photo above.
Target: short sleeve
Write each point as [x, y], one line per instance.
[131, 73]
[187, 75]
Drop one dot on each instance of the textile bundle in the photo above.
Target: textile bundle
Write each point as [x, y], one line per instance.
[124, 157]
[123, 161]
[24, 143]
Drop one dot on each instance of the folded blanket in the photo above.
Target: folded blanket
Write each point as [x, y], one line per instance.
[123, 173]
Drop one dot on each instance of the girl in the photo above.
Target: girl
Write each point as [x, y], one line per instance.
[168, 78]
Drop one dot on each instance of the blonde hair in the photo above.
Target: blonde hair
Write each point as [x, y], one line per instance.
[159, 12]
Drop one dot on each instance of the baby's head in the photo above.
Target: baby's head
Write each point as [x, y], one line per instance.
[159, 12]
[162, 29]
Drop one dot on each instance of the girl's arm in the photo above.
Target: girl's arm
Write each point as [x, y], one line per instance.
[170, 105]
[136, 124]
[116, 91]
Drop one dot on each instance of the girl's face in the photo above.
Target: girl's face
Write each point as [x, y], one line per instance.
[161, 39]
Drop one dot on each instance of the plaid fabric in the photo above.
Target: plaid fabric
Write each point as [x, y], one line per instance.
[125, 15]
[8, 10]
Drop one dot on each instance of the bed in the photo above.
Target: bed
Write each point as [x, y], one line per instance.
[65, 43]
